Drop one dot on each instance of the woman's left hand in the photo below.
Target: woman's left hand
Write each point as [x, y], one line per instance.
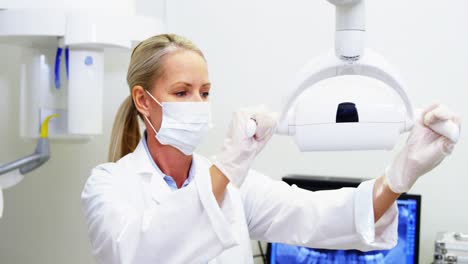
[424, 149]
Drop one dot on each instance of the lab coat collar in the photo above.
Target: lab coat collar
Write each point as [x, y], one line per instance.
[158, 188]
[142, 160]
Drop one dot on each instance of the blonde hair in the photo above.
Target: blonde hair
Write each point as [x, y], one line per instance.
[146, 66]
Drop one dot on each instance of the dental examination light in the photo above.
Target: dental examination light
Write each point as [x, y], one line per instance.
[347, 125]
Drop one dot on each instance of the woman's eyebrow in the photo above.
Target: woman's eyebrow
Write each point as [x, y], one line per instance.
[185, 83]
[189, 84]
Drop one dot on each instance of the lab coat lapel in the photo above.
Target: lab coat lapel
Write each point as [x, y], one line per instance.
[201, 177]
[157, 187]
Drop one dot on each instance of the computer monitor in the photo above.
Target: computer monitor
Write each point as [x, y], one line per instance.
[406, 251]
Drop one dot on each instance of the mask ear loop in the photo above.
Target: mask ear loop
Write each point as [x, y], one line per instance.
[149, 122]
[147, 119]
[153, 98]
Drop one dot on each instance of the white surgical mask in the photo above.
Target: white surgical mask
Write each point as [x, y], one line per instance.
[183, 125]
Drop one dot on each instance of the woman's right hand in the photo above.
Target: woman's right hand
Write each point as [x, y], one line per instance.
[240, 148]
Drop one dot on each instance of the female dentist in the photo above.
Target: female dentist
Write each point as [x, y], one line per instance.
[158, 202]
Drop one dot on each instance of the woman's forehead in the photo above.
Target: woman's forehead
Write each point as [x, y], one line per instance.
[185, 63]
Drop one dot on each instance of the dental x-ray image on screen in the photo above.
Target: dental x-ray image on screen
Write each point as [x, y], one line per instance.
[406, 250]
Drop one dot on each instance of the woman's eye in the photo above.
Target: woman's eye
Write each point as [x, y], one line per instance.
[180, 94]
[205, 94]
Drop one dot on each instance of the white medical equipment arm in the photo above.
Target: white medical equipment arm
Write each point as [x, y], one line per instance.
[40, 156]
[31, 162]
[350, 28]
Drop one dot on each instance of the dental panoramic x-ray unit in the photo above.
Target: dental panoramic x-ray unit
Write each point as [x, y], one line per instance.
[348, 126]
[62, 60]
[62, 68]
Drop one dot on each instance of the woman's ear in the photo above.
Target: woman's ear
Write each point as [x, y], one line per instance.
[140, 100]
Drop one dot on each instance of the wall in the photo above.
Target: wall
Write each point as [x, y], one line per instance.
[253, 48]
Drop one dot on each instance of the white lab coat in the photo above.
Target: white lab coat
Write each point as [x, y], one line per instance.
[134, 217]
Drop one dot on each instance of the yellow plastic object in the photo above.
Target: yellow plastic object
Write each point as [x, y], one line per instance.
[45, 126]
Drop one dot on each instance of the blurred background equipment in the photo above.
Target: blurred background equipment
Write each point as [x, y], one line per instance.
[450, 248]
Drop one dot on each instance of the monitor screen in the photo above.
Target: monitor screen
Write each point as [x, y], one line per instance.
[406, 250]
